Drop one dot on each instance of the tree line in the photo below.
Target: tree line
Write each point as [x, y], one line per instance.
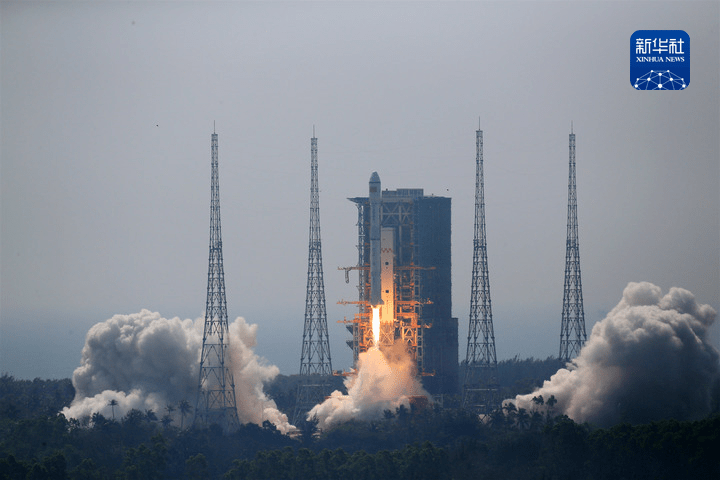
[432, 442]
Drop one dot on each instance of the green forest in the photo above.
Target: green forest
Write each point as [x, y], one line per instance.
[437, 442]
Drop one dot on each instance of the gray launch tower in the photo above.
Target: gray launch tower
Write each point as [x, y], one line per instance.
[412, 244]
[480, 386]
[315, 361]
[572, 328]
[216, 390]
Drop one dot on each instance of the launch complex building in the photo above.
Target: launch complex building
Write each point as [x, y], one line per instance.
[404, 268]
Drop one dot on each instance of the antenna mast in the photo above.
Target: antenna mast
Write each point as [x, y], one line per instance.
[480, 386]
[572, 328]
[315, 358]
[216, 390]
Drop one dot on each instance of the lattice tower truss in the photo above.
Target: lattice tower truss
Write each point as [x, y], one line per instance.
[572, 328]
[315, 360]
[480, 385]
[216, 389]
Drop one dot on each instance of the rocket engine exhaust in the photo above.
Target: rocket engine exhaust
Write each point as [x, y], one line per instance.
[145, 362]
[375, 282]
[649, 359]
[376, 326]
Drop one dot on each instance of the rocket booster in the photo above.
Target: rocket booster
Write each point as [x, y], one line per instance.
[375, 267]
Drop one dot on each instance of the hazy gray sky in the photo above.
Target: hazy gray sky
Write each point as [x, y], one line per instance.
[107, 110]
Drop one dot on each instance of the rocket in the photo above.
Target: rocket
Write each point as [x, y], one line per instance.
[375, 264]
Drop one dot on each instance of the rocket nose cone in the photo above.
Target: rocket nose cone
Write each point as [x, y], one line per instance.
[374, 178]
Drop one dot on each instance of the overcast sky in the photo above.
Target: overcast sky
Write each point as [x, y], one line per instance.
[107, 110]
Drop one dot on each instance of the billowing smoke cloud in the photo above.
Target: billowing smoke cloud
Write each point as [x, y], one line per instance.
[383, 381]
[648, 359]
[145, 362]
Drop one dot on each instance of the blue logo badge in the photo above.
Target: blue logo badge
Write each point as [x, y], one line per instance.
[660, 60]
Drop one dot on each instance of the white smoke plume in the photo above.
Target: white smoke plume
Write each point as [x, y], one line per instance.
[649, 359]
[146, 362]
[384, 380]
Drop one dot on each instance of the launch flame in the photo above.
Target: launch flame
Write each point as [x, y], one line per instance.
[376, 326]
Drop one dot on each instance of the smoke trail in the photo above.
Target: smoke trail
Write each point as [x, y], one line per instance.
[383, 381]
[145, 362]
[649, 359]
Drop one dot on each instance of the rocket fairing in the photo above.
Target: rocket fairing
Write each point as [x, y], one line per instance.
[375, 263]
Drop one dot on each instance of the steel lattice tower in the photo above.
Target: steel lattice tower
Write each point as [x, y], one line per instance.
[572, 329]
[315, 358]
[216, 389]
[480, 386]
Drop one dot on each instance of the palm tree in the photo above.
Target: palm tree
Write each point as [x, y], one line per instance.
[113, 403]
[536, 420]
[169, 408]
[497, 418]
[523, 419]
[166, 420]
[550, 403]
[185, 408]
[511, 412]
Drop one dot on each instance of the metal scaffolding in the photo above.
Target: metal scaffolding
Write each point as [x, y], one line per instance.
[398, 215]
[315, 361]
[572, 327]
[480, 385]
[216, 389]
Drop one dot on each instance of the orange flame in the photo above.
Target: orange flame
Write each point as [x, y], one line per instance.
[376, 326]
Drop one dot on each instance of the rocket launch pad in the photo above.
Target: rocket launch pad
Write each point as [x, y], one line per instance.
[396, 239]
[404, 273]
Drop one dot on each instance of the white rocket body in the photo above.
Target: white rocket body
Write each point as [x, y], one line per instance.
[375, 263]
